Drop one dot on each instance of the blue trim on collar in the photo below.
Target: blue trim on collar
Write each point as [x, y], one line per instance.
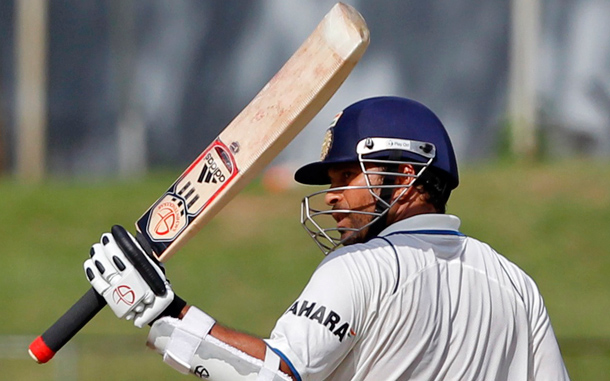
[429, 232]
[397, 263]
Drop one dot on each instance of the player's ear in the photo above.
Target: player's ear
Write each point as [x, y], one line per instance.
[408, 171]
[413, 192]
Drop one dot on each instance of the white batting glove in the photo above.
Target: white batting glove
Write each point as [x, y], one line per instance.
[115, 277]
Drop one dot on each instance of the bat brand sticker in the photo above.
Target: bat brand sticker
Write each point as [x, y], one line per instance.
[168, 218]
[211, 172]
[199, 185]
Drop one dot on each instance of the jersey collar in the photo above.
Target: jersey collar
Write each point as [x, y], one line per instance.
[430, 223]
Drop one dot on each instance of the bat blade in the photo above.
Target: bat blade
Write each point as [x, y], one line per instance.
[274, 117]
[249, 143]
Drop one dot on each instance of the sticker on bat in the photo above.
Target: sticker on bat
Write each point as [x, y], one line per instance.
[199, 185]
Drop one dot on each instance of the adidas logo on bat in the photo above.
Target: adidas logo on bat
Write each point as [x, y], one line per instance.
[211, 172]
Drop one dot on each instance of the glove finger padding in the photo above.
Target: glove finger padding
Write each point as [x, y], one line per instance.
[95, 277]
[102, 264]
[113, 275]
[114, 259]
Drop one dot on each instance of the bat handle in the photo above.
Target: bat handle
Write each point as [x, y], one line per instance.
[44, 347]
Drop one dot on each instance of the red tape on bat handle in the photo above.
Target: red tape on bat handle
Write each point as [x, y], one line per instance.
[46, 345]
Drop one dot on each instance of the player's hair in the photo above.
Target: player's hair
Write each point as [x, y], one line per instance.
[435, 184]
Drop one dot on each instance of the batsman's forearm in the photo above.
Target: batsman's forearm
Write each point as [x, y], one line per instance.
[46, 345]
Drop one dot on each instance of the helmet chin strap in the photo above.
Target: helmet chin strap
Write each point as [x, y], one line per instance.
[386, 195]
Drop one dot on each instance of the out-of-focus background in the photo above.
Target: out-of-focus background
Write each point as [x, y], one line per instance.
[103, 104]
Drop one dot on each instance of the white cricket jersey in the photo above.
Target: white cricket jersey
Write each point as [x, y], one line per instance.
[419, 302]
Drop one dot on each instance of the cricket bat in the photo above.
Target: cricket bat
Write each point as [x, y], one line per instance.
[284, 106]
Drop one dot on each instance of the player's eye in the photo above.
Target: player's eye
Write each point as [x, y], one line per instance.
[342, 177]
[347, 176]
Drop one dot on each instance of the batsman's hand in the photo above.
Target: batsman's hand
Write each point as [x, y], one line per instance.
[132, 283]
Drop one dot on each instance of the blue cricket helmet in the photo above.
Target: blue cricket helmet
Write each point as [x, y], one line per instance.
[382, 117]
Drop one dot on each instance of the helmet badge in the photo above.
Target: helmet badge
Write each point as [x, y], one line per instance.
[326, 144]
[328, 138]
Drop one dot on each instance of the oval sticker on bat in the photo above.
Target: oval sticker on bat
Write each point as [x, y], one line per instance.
[190, 194]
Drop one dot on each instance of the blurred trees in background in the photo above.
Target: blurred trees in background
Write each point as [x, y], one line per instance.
[150, 83]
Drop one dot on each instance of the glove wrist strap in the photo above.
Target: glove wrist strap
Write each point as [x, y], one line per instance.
[190, 331]
[173, 310]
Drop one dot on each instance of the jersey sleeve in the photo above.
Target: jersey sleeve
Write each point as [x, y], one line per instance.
[547, 362]
[315, 334]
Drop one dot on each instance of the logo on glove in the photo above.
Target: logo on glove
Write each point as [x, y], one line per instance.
[123, 294]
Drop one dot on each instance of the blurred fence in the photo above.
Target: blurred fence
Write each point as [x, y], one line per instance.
[86, 357]
[13, 348]
[74, 360]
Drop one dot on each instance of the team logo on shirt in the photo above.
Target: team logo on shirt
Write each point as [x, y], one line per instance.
[324, 316]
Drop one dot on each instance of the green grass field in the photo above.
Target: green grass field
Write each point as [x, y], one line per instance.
[248, 265]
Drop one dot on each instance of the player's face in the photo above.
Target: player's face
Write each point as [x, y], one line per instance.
[358, 199]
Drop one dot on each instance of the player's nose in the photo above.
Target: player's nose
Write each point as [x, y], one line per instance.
[331, 198]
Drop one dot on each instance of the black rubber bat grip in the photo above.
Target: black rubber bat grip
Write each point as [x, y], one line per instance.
[46, 345]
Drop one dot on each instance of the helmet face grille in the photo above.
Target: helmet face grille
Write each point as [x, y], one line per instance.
[317, 215]
[322, 228]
